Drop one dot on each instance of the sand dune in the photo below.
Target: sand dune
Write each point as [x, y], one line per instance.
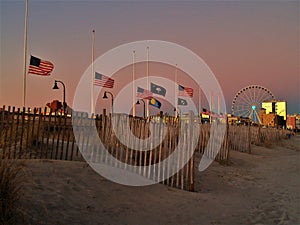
[261, 188]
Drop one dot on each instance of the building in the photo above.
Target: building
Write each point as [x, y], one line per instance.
[298, 122]
[276, 107]
[271, 119]
[291, 122]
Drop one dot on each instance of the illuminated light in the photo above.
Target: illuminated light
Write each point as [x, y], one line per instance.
[253, 107]
[205, 116]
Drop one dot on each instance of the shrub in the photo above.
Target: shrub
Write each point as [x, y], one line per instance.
[10, 187]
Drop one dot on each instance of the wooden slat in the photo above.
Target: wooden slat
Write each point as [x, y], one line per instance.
[6, 131]
[12, 125]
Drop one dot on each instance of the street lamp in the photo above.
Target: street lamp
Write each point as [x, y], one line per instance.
[177, 112]
[112, 100]
[55, 87]
[138, 102]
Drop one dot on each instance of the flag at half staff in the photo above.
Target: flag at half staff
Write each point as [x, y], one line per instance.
[185, 91]
[156, 89]
[154, 102]
[143, 93]
[182, 102]
[40, 67]
[103, 81]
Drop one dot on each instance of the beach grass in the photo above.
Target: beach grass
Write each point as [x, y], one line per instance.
[11, 181]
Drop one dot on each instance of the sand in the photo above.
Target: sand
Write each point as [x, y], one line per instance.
[258, 188]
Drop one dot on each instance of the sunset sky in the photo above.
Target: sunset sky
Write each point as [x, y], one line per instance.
[243, 43]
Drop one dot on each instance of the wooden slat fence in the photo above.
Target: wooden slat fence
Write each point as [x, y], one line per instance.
[209, 151]
[27, 133]
[241, 137]
[36, 135]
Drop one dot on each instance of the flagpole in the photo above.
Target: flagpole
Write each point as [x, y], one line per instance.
[92, 77]
[200, 102]
[219, 103]
[212, 102]
[133, 86]
[176, 91]
[147, 80]
[25, 55]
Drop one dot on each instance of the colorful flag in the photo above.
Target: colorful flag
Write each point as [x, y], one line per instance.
[154, 102]
[143, 93]
[39, 67]
[156, 89]
[182, 102]
[205, 111]
[185, 91]
[104, 81]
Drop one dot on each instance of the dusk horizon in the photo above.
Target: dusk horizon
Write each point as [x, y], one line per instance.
[149, 112]
[243, 43]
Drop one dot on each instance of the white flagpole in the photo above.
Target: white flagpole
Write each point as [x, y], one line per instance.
[212, 105]
[93, 74]
[212, 102]
[176, 92]
[147, 101]
[133, 86]
[200, 102]
[25, 55]
[219, 103]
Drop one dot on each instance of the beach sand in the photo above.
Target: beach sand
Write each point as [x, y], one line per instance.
[258, 188]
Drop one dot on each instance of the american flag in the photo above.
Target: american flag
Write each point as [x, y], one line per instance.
[143, 93]
[103, 81]
[40, 67]
[185, 91]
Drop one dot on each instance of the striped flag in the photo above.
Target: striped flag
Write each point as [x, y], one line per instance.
[103, 81]
[185, 91]
[143, 93]
[40, 67]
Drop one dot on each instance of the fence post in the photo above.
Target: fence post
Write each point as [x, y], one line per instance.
[2, 119]
[6, 130]
[249, 138]
[191, 151]
[11, 131]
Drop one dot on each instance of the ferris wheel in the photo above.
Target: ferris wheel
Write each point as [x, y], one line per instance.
[248, 101]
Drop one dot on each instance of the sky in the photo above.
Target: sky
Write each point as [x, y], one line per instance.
[243, 43]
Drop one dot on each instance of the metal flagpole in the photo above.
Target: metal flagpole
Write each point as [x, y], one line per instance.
[25, 55]
[218, 103]
[93, 74]
[200, 102]
[176, 93]
[212, 102]
[133, 86]
[147, 101]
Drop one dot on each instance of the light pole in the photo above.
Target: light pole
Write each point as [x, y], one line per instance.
[112, 100]
[55, 87]
[138, 102]
[177, 112]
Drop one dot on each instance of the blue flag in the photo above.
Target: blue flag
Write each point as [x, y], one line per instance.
[156, 89]
[154, 102]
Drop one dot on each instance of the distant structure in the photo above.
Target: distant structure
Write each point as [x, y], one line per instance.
[273, 113]
[57, 106]
[293, 122]
[248, 102]
[276, 107]
[237, 120]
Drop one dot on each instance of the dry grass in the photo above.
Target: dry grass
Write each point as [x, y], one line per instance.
[11, 181]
